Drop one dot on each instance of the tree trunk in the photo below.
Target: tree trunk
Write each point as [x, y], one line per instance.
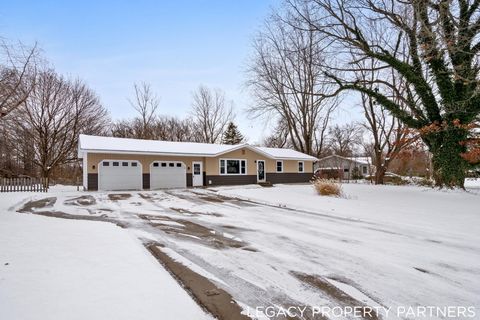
[449, 168]
[46, 175]
[380, 174]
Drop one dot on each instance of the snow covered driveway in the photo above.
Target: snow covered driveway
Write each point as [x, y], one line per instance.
[380, 246]
[65, 269]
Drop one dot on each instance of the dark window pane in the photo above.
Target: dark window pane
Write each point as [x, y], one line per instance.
[124, 164]
[116, 164]
[155, 164]
[164, 164]
[196, 168]
[171, 164]
[179, 164]
[243, 169]
[134, 164]
[300, 166]
[233, 166]
[279, 166]
[106, 163]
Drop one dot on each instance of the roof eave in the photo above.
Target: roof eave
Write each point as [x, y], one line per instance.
[181, 154]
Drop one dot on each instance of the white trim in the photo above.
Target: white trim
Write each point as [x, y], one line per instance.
[264, 171]
[232, 174]
[169, 154]
[303, 166]
[85, 172]
[193, 173]
[276, 166]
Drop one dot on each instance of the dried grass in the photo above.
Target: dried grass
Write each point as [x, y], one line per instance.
[326, 187]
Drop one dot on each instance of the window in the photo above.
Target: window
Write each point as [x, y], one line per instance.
[222, 166]
[196, 168]
[155, 164]
[179, 164]
[106, 163]
[124, 164]
[171, 164]
[300, 166]
[231, 166]
[164, 164]
[364, 169]
[115, 164]
[279, 166]
[134, 164]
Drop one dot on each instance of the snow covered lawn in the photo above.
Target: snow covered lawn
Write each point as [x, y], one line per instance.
[66, 269]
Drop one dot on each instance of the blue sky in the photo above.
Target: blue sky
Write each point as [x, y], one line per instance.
[173, 45]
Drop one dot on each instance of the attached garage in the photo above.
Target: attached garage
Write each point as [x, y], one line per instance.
[168, 174]
[119, 175]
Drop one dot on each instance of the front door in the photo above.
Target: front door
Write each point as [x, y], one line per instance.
[197, 174]
[261, 171]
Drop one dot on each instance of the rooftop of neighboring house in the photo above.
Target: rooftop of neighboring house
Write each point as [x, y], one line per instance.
[359, 160]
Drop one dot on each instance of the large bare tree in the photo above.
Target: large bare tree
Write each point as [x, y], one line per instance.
[56, 111]
[146, 103]
[288, 83]
[433, 45]
[212, 112]
[17, 62]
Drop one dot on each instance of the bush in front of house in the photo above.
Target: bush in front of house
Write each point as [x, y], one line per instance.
[327, 187]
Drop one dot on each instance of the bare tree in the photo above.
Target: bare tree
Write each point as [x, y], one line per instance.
[344, 140]
[212, 112]
[161, 128]
[175, 129]
[433, 45]
[17, 62]
[279, 138]
[146, 103]
[388, 136]
[288, 83]
[55, 113]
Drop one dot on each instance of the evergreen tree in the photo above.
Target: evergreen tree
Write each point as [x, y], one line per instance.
[232, 135]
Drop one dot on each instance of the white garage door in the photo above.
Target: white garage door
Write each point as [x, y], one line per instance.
[119, 175]
[168, 174]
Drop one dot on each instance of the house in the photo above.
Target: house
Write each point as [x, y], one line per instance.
[345, 168]
[133, 164]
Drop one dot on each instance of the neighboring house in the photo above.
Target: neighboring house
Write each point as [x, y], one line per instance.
[133, 164]
[345, 168]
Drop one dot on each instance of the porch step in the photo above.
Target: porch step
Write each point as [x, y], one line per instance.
[266, 184]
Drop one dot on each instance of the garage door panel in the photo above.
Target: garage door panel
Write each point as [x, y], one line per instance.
[120, 175]
[164, 175]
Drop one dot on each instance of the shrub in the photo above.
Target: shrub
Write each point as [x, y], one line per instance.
[425, 182]
[325, 187]
[395, 180]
